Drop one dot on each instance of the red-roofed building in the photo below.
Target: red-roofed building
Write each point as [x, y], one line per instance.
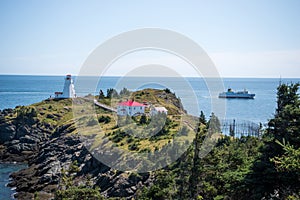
[131, 108]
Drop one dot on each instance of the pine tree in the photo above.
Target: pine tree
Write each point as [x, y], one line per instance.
[101, 95]
[266, 180]
[202, 118]
[214, 124]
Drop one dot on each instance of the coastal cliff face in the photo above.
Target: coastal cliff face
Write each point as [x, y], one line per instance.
[44, 136]
[48, 149]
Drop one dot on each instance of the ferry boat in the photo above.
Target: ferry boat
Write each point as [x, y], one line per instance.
[239, 94]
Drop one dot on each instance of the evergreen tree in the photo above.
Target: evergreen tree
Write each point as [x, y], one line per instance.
[112, 93]
[124, 92]
[68, 189]
[101, 95]
[266, 180]
[214, 124]
[143, 119]
[197, 166]
[202, 118]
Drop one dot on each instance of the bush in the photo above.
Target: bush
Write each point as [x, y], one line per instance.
[129, 140]
[68, 190]
[78, 193]
[167, 90]
[133, 147]
[118, 136]
[26, 115]
[143, 119]
[104, 119]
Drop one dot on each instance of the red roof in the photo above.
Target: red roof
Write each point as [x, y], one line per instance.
[130, 103]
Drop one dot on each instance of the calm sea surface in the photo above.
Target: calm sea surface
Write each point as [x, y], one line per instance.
[195, 94]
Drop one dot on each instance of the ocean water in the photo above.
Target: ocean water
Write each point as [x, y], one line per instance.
[5, 170]
[194, 92]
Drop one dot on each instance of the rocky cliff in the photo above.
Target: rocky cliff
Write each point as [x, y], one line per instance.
[27, 135]
[44, 136]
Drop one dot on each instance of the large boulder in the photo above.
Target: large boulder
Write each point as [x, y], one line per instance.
[7, 132]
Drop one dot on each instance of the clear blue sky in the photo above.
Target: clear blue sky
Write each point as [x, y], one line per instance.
[257, 38]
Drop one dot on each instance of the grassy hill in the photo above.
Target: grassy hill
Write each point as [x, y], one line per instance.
[124, 132]
[129, 133]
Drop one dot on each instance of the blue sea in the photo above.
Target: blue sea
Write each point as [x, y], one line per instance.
[25, 90]
[5, 170]
[195, 94]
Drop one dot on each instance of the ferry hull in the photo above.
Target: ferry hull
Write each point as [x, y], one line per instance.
[234, 96]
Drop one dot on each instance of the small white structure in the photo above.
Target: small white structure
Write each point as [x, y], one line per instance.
[130, 108]
[156, 110]
[68, 91]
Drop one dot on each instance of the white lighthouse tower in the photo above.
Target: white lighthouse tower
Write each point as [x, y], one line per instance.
[68, 91]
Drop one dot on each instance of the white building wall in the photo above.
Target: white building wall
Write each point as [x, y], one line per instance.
[156, 110]
[68, 90]
[130, 110]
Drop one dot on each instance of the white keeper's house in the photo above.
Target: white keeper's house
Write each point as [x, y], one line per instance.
[131, 108]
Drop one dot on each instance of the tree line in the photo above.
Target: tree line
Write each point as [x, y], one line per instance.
[236, 168]
[239, 168]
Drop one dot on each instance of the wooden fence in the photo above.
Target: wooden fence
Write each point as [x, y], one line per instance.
[239, 128]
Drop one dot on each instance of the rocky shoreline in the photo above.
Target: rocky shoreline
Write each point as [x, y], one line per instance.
[48, 149]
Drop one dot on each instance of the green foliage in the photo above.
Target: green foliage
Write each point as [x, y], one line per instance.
[79, 193]
[274, 172]
[101, 95]
[125, 92]
[202, 118]
[167, 90]
[112, 93]
[214, 124]
[26, 114]
[289, 161]
[143, 119]
[236, 168]
[164, 188]
[68, 190]
[219, 175]
[104, 119]
[134, 146]
[118, 135]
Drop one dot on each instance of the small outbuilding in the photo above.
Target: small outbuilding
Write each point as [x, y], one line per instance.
[156, 110]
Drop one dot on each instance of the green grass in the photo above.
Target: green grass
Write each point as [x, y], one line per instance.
[85, 117]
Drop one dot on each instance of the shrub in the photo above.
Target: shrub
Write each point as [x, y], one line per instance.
[167, 90]
[104, 119]
[133, 147]
[129, 140]
[78, 193]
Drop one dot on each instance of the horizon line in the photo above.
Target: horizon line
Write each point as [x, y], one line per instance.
[75, 75]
